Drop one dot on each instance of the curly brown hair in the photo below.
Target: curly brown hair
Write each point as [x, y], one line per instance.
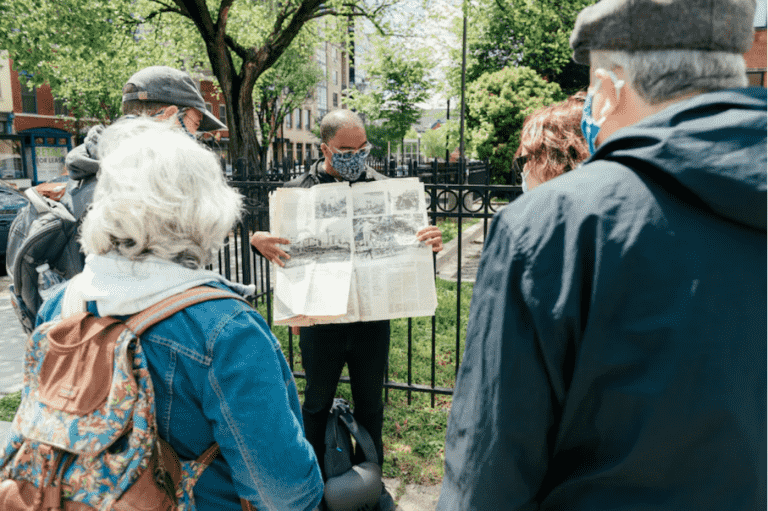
[552, 138]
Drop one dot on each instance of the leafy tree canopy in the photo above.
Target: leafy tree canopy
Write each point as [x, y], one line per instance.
[399, 79]
[86, 49]
[531, 33]
[434, 142]
[497, 104]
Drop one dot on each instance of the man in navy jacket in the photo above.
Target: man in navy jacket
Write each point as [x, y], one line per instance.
[616, 345]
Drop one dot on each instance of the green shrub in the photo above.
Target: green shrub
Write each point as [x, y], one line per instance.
[497, 105]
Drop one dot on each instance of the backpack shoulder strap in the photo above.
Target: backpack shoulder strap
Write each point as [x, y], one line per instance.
[362, 437]
[164, 309]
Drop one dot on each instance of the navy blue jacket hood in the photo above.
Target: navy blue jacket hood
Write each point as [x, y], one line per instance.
[721, 128]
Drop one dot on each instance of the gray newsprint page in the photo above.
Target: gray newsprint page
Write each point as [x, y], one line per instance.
[354, 253]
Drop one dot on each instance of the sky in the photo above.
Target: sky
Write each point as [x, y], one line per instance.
[434, 32]
[760, 13]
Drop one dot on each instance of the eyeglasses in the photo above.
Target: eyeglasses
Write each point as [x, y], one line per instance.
[348, 155]
[519, 164]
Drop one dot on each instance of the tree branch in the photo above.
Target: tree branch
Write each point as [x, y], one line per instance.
[236, 47]
[221, 21]
[155, 14]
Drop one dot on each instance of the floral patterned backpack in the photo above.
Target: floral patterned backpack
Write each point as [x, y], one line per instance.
[85, 435]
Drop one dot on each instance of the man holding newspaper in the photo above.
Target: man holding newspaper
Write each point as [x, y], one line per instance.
[363, 346]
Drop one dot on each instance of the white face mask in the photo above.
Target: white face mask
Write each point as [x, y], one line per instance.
[525, 181]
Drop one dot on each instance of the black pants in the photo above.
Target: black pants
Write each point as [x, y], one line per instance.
[364, 347]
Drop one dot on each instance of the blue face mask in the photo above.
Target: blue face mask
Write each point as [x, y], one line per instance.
[349, 166]
[590, 127]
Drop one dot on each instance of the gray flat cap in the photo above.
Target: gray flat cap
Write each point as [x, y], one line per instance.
[164, 84]
[637, 25]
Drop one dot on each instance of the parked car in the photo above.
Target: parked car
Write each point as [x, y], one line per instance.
[11, 201]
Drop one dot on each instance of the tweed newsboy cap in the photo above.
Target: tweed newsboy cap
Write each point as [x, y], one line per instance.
[164, 84]
[638, 25]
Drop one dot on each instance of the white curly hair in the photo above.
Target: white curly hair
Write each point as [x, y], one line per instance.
[159, 193]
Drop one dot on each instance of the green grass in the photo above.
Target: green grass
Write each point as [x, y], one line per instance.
[414, 434]
[450, 226]
[8, 406]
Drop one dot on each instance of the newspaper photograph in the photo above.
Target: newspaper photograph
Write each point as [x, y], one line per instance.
[354, 253]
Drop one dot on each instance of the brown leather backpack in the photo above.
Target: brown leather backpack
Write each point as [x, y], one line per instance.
[67, 364]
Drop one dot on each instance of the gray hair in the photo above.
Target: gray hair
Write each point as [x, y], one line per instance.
[159, 193]
[337, 119]
[662, 75]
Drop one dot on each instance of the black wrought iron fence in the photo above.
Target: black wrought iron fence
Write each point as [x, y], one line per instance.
[449, 199]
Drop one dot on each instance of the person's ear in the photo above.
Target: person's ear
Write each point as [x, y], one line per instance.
[192, 119]
[611, 94]
[326, 150]
[165, 112]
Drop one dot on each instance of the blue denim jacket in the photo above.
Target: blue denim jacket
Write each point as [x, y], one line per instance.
[220, 376]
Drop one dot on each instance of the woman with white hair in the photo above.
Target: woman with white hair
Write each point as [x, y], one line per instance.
[161, 211]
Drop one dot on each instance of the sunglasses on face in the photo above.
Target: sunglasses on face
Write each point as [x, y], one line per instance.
[519, 164]
[348, 155]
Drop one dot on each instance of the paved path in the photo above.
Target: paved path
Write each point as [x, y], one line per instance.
[12, 339]
[447, 262]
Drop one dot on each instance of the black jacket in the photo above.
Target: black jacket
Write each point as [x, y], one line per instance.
[316, 175]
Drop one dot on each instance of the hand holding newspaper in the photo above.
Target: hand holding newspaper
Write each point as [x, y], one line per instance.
[354, 253]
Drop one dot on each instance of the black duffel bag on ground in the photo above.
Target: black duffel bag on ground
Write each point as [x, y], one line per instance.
[349, 487]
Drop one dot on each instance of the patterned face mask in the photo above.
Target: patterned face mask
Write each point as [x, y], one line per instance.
[350, 165]
[349, 168]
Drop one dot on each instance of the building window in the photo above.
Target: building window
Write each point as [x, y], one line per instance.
[28, 99]
[307, 120]
[298, 153]
[223, 114]
[298, 118]
[335, 100]
[59, 107]
[209, 107]
[335, 77]
[322, 98]
[756, 78]
[321, 58]
[288, 120]
[335, 54]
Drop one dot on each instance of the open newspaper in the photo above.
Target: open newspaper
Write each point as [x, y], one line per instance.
[354, 253]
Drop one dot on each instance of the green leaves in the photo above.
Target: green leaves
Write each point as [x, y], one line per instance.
[86, 50]
[399, 79]
[434, 142]
[497, 104]
[504, 33]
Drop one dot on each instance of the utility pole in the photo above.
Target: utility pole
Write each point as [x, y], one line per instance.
[463, 103]
[447, 148]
